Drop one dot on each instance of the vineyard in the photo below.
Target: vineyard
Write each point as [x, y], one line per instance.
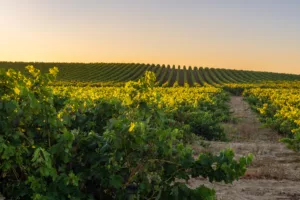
[113, 74]
[60, 138]
[279, 109]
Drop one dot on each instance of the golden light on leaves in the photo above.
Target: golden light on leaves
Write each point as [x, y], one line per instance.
[53, 71]
[17, 90]
[131, 128]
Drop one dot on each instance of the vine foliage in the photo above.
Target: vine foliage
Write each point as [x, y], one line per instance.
[48, 151]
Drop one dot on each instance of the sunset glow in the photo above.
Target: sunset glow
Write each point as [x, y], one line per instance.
[258, 35]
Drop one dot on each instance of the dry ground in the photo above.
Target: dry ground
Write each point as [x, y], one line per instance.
[275, 171]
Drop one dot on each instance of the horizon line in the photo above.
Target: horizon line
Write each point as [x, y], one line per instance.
[160, 64]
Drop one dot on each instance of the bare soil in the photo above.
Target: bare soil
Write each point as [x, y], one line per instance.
[275, 170]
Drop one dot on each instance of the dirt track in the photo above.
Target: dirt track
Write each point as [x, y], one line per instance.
[275, 171]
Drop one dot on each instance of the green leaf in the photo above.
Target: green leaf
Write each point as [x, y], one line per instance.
[10, 106]
[116, 181]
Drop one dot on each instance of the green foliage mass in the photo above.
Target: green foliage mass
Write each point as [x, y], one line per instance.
[53, 146]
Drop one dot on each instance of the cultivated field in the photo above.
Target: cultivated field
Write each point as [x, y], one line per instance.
[112, 74]
[131, 131]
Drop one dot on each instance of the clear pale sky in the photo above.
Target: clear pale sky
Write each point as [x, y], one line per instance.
[259, 35]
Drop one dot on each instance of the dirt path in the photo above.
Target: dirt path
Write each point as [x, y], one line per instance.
[275, 171]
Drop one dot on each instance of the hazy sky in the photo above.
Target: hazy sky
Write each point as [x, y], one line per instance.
[255, 34]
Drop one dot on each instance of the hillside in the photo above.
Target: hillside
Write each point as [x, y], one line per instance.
[113, 73]
[130, 137]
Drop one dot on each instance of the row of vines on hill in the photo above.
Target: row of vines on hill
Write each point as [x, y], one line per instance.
[128, 142]
[114, 74]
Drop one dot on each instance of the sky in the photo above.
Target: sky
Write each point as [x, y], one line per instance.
[261, 35]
